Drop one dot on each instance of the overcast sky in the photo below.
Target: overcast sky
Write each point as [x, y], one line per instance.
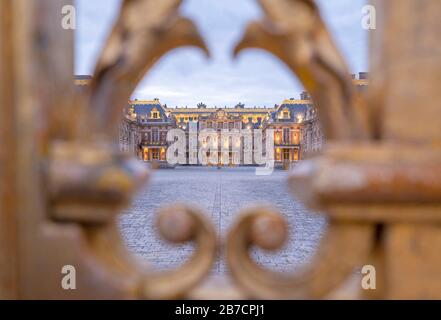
[185, 77]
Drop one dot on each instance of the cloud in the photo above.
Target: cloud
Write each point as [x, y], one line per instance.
[184, 77]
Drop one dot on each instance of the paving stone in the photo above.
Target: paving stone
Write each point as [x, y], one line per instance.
[222, 194]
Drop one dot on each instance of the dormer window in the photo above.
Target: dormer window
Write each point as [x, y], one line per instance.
[285, 114]
[154, 114]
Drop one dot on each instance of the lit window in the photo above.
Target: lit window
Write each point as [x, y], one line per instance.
[286, 154]
[285, 114]
[154, 114]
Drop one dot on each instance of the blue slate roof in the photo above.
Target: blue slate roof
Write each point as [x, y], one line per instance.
[293, 108]
[145, 109]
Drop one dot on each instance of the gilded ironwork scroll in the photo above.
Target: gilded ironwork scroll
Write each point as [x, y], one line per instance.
[378, 176]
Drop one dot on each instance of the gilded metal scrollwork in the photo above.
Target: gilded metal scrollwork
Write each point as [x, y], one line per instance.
[90, 181]
[372, 179]
[143, 33]
[294, 31]
[266, 229]
[378, 179]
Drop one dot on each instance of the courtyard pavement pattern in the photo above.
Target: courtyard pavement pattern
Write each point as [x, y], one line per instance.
[222, 194]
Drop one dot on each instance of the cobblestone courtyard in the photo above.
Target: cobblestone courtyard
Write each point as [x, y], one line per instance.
[221, 194]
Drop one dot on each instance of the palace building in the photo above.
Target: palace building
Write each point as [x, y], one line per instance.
[287, 121]
[146, 123]
[297, 131]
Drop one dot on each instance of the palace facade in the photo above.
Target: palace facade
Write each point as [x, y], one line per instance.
[146, 123]
[297, 131]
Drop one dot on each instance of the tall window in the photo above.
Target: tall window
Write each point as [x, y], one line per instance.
[296, 154]
[286, 135]
[155, 154]
[277, 137]
[155, 135]
[286, 154]
[296, 137]
[278, 154]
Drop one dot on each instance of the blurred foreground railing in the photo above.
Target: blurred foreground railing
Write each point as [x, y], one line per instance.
[64, 182]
